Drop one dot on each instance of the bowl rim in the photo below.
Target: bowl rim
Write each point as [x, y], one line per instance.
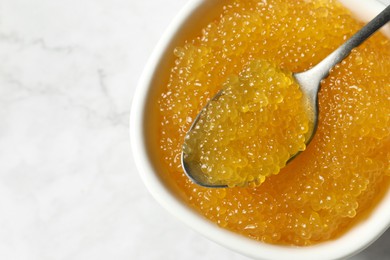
[360, 236]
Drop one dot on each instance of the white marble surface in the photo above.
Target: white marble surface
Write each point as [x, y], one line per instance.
[68, 184]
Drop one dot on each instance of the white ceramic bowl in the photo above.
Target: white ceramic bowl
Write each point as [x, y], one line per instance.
[352, 242]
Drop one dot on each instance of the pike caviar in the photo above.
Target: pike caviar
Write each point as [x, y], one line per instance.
[257, 122]
[322, 192]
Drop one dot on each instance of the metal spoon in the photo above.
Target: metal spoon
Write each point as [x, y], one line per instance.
[309, 82]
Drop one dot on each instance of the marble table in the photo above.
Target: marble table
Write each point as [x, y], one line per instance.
[69, 188]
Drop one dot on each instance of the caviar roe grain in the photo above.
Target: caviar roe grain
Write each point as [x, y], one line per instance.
[320, 193]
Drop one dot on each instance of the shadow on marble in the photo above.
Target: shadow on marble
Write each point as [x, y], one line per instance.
[379, 250]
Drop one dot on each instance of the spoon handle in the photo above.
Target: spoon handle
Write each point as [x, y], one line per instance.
[345, 49]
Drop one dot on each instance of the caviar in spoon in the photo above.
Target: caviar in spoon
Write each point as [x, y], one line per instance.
[251, 128]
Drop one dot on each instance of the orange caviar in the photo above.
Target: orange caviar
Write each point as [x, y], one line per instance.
[325, 189]
[257, 122]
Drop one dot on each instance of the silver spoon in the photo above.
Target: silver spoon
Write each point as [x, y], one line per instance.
[309, 82]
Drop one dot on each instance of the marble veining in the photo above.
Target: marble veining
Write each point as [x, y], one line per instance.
[68, 184]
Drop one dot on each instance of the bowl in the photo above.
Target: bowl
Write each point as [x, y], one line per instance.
[360, 236]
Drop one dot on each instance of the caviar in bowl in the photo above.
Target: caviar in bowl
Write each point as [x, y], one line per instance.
[145, 140]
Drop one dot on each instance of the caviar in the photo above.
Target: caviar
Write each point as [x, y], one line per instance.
[251, 129]
[325, 189]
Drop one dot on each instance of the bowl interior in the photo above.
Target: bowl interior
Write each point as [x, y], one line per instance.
[187, 24]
